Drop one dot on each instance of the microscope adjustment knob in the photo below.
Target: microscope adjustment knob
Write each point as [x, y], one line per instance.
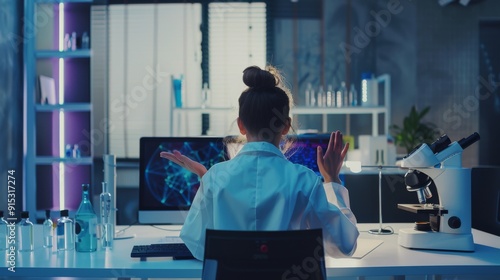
[454, 222]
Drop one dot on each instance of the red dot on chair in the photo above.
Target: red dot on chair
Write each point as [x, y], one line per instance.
[264, 248]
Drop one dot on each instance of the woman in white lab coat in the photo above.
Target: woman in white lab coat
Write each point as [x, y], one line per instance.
[259, 189]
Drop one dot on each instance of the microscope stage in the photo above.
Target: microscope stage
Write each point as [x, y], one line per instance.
[423, 208]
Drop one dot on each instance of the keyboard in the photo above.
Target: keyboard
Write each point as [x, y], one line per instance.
[178, 251]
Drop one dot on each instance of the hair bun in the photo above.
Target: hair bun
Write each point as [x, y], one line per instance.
[254, 77]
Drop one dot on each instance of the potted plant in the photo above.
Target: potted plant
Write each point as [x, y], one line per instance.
[414, 130]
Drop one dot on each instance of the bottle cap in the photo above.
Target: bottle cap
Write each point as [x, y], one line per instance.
[64, 213]
[1, 213]
[85, 187]
[25, 214]
[366, 75]
[47, 213]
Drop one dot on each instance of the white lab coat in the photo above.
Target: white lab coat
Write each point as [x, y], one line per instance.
[259, 189]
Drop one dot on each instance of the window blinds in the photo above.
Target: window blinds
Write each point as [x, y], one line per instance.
[147, 44]
[150, 42]
[237, 39]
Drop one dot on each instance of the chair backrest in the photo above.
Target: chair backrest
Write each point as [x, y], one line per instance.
[294, 254]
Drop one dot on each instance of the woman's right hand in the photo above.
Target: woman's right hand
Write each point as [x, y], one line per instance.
[182, 160]
[331, 162]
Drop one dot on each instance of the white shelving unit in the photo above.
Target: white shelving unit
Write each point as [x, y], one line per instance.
[49, 122]
[385, 109]
[384, 80]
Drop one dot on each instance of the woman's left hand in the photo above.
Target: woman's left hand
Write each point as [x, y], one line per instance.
[182, 160]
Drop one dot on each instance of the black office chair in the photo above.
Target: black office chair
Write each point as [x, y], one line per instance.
[242, 255]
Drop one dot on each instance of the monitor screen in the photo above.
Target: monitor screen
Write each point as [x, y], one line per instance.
[166, 190]
[303, 149]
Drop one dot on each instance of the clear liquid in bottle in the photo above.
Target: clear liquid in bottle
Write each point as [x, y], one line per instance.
[25, 233]
[86, 224]
[107, 228]
[48, 230]
[65, 232]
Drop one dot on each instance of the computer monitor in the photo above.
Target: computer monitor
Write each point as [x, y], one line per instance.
[166, 190]
[303, 149]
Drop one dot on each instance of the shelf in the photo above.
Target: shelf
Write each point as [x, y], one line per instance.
[71, 107]
[204, 110]
[337, 110]
[75, 161]
[62, 1]
[347, 111]
[82, 53]
[374, 111]
[49, 126]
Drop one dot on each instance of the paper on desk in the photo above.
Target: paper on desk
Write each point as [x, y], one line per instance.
[170, 239]
[365, 246]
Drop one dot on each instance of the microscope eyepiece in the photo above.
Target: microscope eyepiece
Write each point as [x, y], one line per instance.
[440, 144]
[466, 142]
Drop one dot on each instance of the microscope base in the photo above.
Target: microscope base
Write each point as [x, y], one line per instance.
[429, 240]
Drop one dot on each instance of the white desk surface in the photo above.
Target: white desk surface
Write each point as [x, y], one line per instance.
[387, 259]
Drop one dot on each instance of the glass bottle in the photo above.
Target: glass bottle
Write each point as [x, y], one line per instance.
[67, 42]
[73, 41]
[329, 96]
[76, 151]
[25, 233]
[4, 233]
[86, 224]
[321, 97]
[345, 95]
[48, 230]
[65, 232]
[69, 151]
[340, 95]
[308, 94]
[353, 96]
[85, 40]
[369, 90]
[312, 96]
[107, 228]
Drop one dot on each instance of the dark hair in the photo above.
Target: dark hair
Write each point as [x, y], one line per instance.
[265, 104]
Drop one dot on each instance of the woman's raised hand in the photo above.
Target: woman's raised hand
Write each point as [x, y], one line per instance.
[331, 162]
[182, 160]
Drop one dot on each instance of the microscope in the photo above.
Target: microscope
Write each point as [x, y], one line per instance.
[449, 225]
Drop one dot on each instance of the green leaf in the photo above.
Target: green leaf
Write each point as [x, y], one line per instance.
[414, 130]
